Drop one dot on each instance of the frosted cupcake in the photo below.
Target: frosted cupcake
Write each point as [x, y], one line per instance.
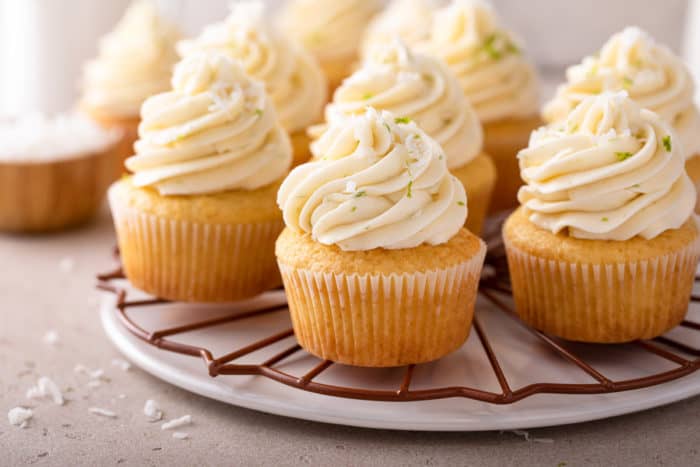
[409, 20]
[604, 247]
[377, 267]
[293, 79]
[332, 31]
[420, 88]
[652, 75]
[54, 172]
[135, 61]
[198, 220]
[498, 80]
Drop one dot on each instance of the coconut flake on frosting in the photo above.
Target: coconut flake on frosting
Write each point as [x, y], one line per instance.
[135, 61]
[215, 131]
[652, 75]
[378, 181]
[498, 80]
[409, 20]
[293, 79]
[610, 171]
[416, 86]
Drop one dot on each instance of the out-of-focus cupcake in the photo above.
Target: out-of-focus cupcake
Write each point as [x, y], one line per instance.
[605, 246]
[499, 81]
[54, 172]
[652, 75]
[421, 88]
[331, 30]
[293, 79]
[135, 61]
[377, 267]
[409, 20]
[198, 220]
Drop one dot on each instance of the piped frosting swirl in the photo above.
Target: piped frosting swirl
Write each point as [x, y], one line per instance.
[409, 20]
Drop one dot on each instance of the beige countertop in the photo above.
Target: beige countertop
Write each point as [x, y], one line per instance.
[47, 283]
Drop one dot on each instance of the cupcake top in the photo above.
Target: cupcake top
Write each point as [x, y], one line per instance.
[135, 61]
[215, 131]
[329, 29]
[651, 74]
[410, 20]
[488, 61]
[293, 79]
[378, 182]
[611, 171]
[416, 87]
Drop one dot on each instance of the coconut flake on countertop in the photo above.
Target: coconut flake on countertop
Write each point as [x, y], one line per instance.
[19, 416]
[152, 411]
[37, 138]
[177, 423]
[45, 387]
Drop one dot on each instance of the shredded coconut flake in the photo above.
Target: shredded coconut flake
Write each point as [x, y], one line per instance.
[152, 411]
[51, 337]
[180, 435]
[67, 264]
[102, 412]
[350, 187]
[20, 416]
[46, 388]
[121, 364]
[177, 423]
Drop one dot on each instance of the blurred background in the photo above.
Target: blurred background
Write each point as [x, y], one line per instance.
[44, 43]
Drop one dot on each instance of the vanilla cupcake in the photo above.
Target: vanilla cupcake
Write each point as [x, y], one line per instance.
[421, 88]
[135, 61]
[652, 75]
[198, 220]
[498, 81]
[293, 79]
[332, 31]
[409, 20]
[54, 172]
[605, 245]
[377, 267]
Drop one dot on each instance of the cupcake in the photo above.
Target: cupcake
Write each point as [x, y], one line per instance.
[54, 172]
[197, 221]
[332, 31]
[377, 267]
[409, 20]
[293, 79]
[652, 75]
[420, 88]
[498, 80]
[135, 61]
[605, 245]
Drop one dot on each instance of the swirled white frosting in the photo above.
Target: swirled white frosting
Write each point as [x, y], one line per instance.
[135, 61]
[498, 80]
[409, 20]
[418, 87]
[293, 79]
[215, 131]
[611, 171]
[652, 75]
[329, 29]
[377, 183]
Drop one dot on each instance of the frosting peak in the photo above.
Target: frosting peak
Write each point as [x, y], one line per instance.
[135, 61]
[611, 171]
[410, 20]
[416, 86]
[293, 79]
[652, 75]
[379, 181]
[498, 81]
[215, 131]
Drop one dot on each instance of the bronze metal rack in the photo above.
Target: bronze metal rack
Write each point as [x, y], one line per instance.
[494, 287]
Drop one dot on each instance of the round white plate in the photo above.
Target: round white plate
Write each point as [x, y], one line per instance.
[523, 358]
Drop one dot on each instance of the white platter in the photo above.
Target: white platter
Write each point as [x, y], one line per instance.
[524, 361]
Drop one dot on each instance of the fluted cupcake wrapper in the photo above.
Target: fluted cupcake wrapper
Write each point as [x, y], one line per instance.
[378, 320]
[603, 303]
[196, 262]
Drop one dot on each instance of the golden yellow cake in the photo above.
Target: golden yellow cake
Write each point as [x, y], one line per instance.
[293, 78]
[378, 270]
[605, 246]
[197, 220]
[499, 81]
[418, 87]
[135, 61]
[650, 73]
[331, 31]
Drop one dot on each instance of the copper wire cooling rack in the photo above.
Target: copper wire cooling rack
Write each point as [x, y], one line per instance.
[494, 286]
